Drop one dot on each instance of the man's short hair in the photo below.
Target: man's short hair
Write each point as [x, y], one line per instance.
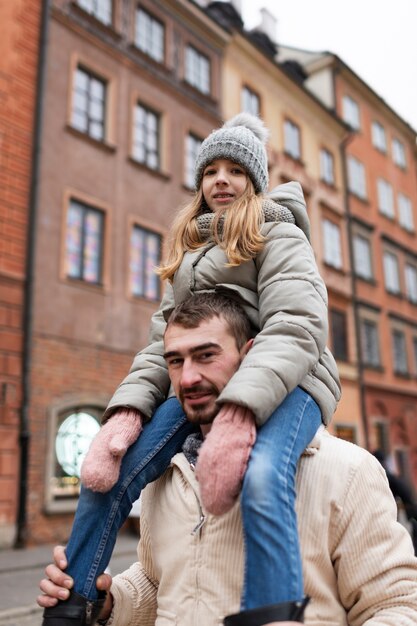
[202, 307]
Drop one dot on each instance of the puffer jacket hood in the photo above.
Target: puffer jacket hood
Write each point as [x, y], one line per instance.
[286, 300]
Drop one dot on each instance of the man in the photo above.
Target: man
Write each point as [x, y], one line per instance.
[359, 567]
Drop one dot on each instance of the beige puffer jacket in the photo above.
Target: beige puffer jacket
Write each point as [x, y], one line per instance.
[286, 300]
[358, 561]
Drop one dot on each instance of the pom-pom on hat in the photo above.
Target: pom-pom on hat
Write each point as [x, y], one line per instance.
[242, 140]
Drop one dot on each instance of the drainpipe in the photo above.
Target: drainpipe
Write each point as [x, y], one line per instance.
[356, 316]
[24, 426]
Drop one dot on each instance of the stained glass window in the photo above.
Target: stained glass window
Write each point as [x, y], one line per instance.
[84, 242]
[145, 255]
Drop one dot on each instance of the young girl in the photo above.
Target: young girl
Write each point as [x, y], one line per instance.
[234, 240]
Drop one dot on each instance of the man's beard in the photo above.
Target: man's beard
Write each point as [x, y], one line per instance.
[205, 412]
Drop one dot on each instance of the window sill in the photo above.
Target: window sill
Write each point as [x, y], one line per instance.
[142, 166]
[375, 368]
[391, 218]
[58, 507]
[201, 94]
[396, 294]
[293, 158]
[160, 65]
[94, 21]
[369, 281]
[362, 199]
[382, 151]
[339, 270]
[329, 185]
[103, 145]
[403, 375]
[83, 284]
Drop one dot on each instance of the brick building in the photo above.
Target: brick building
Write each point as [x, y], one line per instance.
[305, 145]
[19, 52]
[131, 90]
[380, 162]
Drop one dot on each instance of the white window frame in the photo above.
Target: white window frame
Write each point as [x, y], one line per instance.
[370, 342]
[146, 137]
[197, 70]
[332, 246]
[250, 101]
[89, 102]
[399, 351]
[149, 35]
[410, 273]
[379, 137]
[398, 153]
[292, 139]
[362, 254]
[385, 198]
[326, 166]
[351, 113]
[102, 10]
[356, 177]
[143, 265]
[391, 272]
[191, 147]
[405, 212]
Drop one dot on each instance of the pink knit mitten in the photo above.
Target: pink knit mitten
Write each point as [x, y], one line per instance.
[101, 467]
[224, 456]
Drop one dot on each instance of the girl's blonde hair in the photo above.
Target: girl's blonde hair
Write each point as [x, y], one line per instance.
[240, 235]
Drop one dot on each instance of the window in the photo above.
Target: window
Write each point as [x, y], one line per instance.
[71, 434]
[351, 112]
[88, 104]
[385, 198]
[326, 166]
[332, 245]
[405, 212]
[356, 177]
[250, 101]
[149, 35]
[362, 257]
[197, 70]
[398, 153]
[192, 146]
[146, 132]
[415, 352]
[411, 282]
[339, 334]
[292, 144]
[399, 352]
[100, 9]
[370, 343]
[391, 272]
[145, 256]
[84, 243]
[379, 138]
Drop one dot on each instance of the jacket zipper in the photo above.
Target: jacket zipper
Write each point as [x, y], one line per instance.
[200, 524]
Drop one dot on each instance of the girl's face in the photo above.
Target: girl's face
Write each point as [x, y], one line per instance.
[223, 182]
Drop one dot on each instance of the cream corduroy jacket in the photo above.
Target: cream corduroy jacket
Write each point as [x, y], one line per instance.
[359, 564]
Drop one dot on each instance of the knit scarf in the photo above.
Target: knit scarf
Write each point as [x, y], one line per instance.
[273, 212]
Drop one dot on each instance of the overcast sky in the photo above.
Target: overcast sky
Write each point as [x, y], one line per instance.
[376, 38]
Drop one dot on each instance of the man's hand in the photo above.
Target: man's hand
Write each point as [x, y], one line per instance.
[57, 585]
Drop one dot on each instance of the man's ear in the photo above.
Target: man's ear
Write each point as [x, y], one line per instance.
[248, 345]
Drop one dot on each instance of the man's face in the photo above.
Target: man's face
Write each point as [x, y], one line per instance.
[200, 363]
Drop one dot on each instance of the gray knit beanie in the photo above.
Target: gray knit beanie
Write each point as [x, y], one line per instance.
[242, 140]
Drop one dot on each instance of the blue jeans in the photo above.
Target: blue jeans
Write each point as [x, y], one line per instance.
[273, 569]
[99, 516]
